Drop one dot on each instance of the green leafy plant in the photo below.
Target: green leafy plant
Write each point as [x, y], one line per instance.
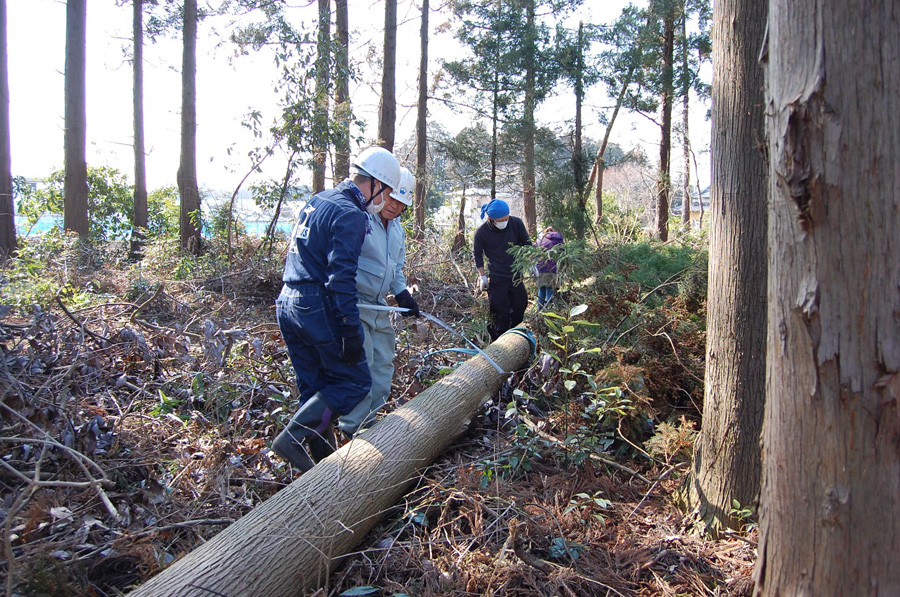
[110, 202]
[167, 405]
[27, 280]
[574, 260]
[745, 514]
[163, 207]
[587, 504]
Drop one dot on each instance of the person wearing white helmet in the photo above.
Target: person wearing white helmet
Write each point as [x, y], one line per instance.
[377, 164]
[381, 273]
[317, 309]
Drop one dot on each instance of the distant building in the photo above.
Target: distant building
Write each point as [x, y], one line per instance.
[446, 215]
[696, 202]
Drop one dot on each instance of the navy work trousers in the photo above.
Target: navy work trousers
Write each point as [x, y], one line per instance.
[314, 345]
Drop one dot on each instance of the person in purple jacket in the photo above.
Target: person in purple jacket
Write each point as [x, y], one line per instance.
[317, 309]
[546, 268]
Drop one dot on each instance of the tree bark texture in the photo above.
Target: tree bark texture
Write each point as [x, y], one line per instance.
[139, 219]
[75, 189]
[291, 543]
[665, 143]
[187, 168]
[727, 454]
[494, 133]
[422, 125]
[528, 176]
[685, 122]
[830, 515]
[459, 239]
[577, 151]
[7, 210]
[342, 92]
[387, 112]
[323, 78]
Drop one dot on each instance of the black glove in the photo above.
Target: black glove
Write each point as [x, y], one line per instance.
[352, 349]
[405, 300]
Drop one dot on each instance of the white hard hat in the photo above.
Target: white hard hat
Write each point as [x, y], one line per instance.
[380, 164]
[404, 191]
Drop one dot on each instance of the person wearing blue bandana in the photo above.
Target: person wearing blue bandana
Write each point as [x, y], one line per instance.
[507, 296]
[381, 273]
[317, 309]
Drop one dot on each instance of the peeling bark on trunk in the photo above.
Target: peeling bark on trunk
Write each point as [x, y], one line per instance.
[292, 542]
[830, 516]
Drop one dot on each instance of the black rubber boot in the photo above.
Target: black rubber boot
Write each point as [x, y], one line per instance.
[312, 423]
[322, 445]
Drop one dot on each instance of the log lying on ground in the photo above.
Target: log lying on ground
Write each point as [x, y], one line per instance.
[292, 542]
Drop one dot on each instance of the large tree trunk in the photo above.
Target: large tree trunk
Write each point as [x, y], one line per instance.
[187, 169]
[292, 542]
[342, 92]
[830, 515]
[421, 125]
[140, 216]
[387, 112]
[727, 455]
[75, 193]
[577, 151]
[320, 117]
[665, 143]
[7, 209]
[685, 121]
[495, 102]
[528, 178]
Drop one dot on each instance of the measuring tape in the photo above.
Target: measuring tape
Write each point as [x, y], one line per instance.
[431, 317]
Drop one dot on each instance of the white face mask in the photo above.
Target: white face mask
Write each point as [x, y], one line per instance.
[501, 225]
[373, 209]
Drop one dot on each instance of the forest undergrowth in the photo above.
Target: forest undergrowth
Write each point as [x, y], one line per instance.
[139, 403]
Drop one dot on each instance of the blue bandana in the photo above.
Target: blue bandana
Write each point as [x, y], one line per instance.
[496, 208]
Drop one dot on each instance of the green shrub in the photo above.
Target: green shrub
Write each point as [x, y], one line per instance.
[34, 276]
[110, 202]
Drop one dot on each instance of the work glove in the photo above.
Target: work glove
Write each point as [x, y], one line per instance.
[405, 300]
[352, 349]
[483, 283]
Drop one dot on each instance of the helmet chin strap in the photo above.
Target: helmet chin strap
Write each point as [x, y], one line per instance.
[372, 192]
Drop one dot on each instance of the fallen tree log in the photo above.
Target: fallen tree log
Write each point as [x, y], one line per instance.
[291, 542]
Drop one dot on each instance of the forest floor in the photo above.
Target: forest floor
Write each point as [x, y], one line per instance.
[138, 409]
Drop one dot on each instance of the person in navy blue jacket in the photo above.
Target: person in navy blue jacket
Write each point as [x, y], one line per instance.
[507, 296]
[317, 309]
